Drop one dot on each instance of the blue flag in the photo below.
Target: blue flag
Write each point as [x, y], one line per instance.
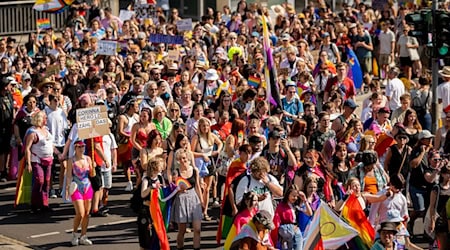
[354, 68]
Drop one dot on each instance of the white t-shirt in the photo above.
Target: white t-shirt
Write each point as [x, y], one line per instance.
[73, 136]
[57, 125]
[386, 38]
[258, 187]
[109, 144]
[443, 92]
[394, 89]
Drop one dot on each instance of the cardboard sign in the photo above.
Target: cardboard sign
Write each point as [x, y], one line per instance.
[126, 15]
[184, 24]
[108, 48]
[92, 122]
[52, 70]
[379, 4]
[173, 55]
[160, 38]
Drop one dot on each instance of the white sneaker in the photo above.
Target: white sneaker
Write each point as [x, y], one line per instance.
[85, 241]
[129, 187]
[215, 204]
[74, 239]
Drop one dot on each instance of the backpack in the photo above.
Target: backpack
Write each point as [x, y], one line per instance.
[136, 201]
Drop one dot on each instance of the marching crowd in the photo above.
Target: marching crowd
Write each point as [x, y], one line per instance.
[255, 115]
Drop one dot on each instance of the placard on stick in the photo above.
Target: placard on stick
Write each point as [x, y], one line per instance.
[92, 122]
[184, 24]
[108, 48]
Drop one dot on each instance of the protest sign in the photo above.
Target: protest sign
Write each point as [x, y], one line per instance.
[126, 15]
[43, 23]
[159, 38]
[108, 48]
[92, 122]
[184, 24]
[52, 70]
[173, 55]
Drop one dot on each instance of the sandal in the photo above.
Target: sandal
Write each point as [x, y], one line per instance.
[206, 217]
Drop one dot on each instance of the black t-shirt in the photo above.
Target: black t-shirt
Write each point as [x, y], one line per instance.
[128, 96]
[73, 92]
[417, 178]
[278, 162]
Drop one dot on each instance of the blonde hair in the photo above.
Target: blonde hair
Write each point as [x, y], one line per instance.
[260, 164]
[209, 137]
[38, 119]
[154, 165]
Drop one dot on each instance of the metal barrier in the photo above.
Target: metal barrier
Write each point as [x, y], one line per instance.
[19, 18]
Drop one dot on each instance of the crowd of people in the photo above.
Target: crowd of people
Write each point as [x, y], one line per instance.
[208, 122]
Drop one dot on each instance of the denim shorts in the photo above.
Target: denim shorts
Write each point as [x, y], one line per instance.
[107, 179]
[419, 197]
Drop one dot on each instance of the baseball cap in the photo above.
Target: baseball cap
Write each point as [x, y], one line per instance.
[384, 110]
[388, 226]
[326, 34]
[255, 34]
[26, 76]
[285, 37]
[425, 134]
[350, 103]
[265, 219]
[79, 142]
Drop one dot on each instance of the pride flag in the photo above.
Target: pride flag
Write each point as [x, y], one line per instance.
[270, 72]
[51, 6]
[43, 23]
[355, 216]
[158, 221]
[354, 68]
[254, 81]
[327, 230]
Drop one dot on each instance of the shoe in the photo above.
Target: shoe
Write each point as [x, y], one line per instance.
[188, 230]
[206, 217]
[75, 240]
[215, 204]
[104, 209]
[46, 209]
[85, 241]
[99, 214]
[129, 187]
[53, 194]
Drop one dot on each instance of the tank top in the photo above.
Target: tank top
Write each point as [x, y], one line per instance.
[204, 146]
[191, 180]
[131, 121]
[80, 175]
[43, 148]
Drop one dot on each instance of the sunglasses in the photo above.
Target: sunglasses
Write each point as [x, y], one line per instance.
[48, 87]
[174, 110]
[437, 159]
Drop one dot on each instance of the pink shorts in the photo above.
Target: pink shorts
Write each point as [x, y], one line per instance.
[77, 195]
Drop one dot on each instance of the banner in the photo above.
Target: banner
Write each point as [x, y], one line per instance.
[92, 122]
[108, 48]
[184, 24]
[125, 15]
[160, 38]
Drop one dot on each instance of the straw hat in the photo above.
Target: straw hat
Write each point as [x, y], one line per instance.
[46, 82]
[445, 72]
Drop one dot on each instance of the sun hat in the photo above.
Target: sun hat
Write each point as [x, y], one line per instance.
[445, 72]
[46, 82]
[211, 75]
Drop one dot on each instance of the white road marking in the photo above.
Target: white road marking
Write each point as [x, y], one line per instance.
[106, 224]
[43, 235]
[10, 189]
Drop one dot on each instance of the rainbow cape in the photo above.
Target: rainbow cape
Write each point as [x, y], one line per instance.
[158, 221]
[24, 182]
[355, 216]
[226, 218]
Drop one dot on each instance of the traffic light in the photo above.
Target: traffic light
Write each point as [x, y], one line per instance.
[443, 33]
[419, 21]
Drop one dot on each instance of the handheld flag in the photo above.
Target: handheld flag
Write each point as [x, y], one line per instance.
[354, 214]
[270, 72]
[354, 68]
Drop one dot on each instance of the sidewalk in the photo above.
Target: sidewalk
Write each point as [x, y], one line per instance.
[12, 244]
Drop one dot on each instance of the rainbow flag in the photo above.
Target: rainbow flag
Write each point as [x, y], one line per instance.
[51, 6]
[43, 23]
[254, 81]
[355, 216]
[226, 218]
[24, 185]
[158, 221]
[270, 72]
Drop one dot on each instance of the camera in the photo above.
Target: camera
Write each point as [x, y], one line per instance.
[283, 136]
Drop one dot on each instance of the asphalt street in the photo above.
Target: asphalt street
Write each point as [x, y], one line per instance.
[20, 229]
